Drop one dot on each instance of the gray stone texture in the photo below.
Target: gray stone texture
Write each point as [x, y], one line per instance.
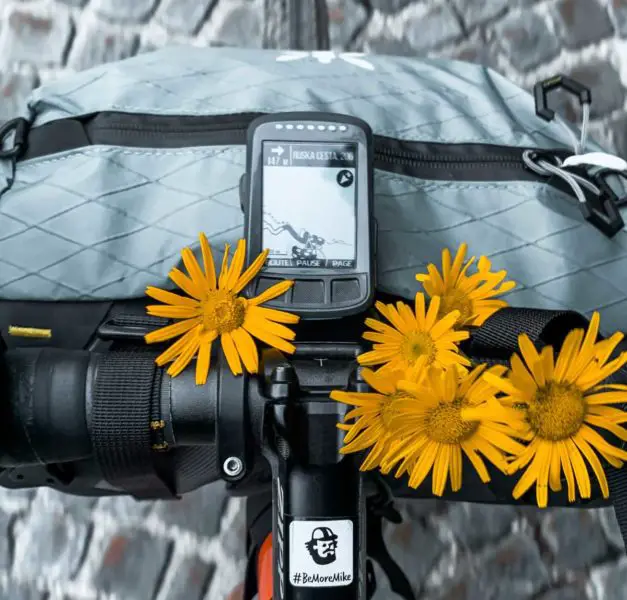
[60, 547]
[565, 533]
[191, 579]
[132, 564]
[618, 15]
[479, 12]
[431, 28]
[36, 34]
[183, 16]
[526, 39]
[98, 43]
[510, 570]
[124, 11]
[581, 22]
[474, 526]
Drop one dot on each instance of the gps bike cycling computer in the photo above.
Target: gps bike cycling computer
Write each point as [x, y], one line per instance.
[307, 198]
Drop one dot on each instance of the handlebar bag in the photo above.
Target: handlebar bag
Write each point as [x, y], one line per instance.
[109, 172]
[125, 163]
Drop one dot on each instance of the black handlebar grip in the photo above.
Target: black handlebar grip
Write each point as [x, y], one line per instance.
[43, 407]
[190, 408]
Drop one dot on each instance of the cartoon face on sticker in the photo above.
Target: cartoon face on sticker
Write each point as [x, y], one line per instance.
[322, 546]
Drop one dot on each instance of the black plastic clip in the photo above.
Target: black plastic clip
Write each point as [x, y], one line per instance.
[602, 211]
[18, 127]
[542, 89]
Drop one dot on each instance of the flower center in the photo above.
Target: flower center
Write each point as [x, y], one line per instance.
[223, 311]
[417, 344]
[445, 425]
[456, 300]
[558, 411]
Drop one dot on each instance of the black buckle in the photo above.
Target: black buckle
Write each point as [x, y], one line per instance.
[602, 211]
[542, 89]
[19, 127]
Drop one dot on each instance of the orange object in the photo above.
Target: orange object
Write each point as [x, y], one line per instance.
[264, 569]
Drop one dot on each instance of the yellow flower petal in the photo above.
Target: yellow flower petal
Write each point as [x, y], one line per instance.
[224, 268]
[186, 284]
[247, 349]
[258, 330]
[230, 353]
[237, 264]
[208, 264]
[170, 331]
[177, 348]
[278, 289]
[203, 362]
[251, 272]
[185, 357]
[194, 270]
[172, 312]
[170, 298]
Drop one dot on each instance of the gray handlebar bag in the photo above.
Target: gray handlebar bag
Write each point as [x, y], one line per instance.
[124, 164]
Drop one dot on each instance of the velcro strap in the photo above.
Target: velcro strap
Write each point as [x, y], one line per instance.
[497, 338]
[121, 413]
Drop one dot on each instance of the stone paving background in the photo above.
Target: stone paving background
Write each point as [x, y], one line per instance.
[57, 547]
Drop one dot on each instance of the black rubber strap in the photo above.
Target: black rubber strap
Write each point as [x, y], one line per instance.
[121, 414]
[497, 340]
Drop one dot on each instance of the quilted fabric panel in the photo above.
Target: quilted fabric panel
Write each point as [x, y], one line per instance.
[66, 239]
[105, 222]
[430, 100]
[533, 231]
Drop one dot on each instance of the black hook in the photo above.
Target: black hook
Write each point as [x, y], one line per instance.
[19, 127]
[602, 211]
[542, 89]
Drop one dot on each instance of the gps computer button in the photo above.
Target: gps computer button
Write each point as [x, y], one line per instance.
[308, 292]
[343, 290]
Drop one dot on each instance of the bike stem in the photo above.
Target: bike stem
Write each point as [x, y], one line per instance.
[319, 544]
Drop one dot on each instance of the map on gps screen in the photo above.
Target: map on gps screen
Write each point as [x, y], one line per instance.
[309, 205]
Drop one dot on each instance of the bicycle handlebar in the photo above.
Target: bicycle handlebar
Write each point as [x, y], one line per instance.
[272, 431]
[49, 394]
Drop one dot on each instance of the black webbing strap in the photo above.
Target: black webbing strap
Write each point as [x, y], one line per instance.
[497, 339]
[121, 412]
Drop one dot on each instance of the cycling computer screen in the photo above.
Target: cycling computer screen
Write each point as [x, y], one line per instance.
[307, 198]
[300, 233]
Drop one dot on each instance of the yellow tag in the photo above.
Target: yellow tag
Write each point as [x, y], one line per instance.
[552, 81]
[29, 332]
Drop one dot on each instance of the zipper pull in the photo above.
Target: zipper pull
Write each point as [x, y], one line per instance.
[597, 159]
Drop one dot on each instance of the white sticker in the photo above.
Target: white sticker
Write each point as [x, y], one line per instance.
[321, 553]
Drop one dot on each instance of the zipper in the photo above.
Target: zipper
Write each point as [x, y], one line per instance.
[425, 160]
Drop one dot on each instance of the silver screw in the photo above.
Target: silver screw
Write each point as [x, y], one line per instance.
[233, 466]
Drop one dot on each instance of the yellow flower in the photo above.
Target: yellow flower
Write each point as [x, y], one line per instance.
[559, 405]
[413, 335]
[473, 296]
[213, 308]
[372, 413]
[437, 427]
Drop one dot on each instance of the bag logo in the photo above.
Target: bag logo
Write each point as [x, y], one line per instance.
[326, 57]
